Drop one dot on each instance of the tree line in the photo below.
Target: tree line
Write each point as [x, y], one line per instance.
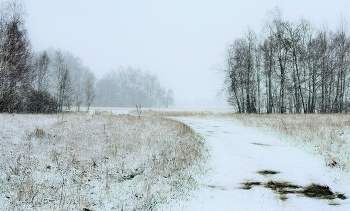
[127, 87]
[64, 77]
[290, 67]
[54, 80]
[37, 82]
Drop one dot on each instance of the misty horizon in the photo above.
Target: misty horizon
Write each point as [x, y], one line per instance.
[182, 43]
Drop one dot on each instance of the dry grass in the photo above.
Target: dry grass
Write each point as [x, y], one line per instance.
[325, 134]
[174, 113]
[97, 162]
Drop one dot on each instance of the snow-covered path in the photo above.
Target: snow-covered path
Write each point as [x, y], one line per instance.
[238, 154]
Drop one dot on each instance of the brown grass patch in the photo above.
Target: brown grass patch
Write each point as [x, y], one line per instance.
[174, 113]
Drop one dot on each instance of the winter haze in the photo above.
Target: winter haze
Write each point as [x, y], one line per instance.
[182, 42]
[74, 136]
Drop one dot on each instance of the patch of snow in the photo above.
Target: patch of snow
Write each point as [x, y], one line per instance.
[238, 153]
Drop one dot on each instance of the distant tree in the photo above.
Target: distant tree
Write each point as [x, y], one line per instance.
[63, 81]
[41, 63]
[89, 88]
[128, 87]
[169, 98]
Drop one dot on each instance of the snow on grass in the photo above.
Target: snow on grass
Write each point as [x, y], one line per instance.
[97, 162]
[254, 170]
[327, 135]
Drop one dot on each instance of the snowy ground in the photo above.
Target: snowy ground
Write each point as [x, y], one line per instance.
[253, 171]
[95, 162]
[250, 170]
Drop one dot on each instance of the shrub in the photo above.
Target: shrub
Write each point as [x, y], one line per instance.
[41, 102]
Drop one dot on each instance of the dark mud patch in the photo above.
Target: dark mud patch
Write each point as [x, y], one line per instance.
[334, 204]
[217, 187]
[268, 172]
[260, 144]
[249, 185]
[283, 188]
[321, 192]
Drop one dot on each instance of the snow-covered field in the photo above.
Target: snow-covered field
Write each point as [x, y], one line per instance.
[95, 162]
[255, 171]
[117, 161]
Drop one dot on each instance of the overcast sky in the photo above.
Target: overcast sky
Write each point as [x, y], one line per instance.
[181, 41]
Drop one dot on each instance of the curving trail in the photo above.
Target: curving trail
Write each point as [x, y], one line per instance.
[253, 171]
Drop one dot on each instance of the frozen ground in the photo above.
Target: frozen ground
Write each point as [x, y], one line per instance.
[253, 171]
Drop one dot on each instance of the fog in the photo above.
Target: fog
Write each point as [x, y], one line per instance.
[183, 43]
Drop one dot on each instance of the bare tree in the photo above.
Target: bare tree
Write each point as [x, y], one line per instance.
[89, 88]
[63, 81]
[169, 98]
[41, 71]
[234, 82]
[282, 50]
[242, 73]
[268, 58]
[341, 44]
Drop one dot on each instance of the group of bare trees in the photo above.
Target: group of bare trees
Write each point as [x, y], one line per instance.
[291, 67]
[65, 78]
[54, 80]
[128, 87]
[37, 82]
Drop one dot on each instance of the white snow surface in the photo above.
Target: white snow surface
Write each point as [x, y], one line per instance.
[238, 153]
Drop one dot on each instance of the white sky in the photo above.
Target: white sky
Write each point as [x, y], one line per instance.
[181, 41]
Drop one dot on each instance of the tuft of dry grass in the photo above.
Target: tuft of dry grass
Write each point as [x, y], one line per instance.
[327, 135]
[96, 162]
